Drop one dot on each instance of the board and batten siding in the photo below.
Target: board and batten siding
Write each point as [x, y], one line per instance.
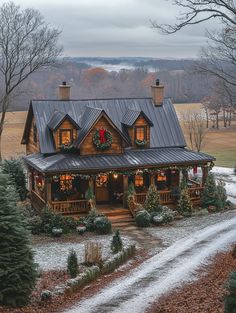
[32, 146]
[87, 147]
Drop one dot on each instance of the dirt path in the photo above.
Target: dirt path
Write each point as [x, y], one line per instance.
[161, 273]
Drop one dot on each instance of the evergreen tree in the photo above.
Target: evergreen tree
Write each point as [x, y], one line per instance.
[131, 189]
[17, 268]
[116, 243]
[209, 196]
[185, 206]
[230, 299]
[15, 170]
[152, 202]
[72, 264]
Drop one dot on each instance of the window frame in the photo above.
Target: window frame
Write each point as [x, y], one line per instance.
[144, 127]
[139, 178]
[61, 130]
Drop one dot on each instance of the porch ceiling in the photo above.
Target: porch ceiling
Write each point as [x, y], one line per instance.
[130, 159]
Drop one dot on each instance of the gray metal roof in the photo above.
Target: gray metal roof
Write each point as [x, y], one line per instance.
[166, 131]
[131, 116]
[130, 159]
[57, 118]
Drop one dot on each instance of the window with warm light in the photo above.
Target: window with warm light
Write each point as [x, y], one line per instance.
[65, 137]
[140, 133]
[161, 176]
[66, 182]
[138, 181]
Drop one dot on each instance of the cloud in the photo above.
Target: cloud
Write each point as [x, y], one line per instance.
[118, 27]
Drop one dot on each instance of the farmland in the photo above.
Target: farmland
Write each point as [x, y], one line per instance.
[220, 143]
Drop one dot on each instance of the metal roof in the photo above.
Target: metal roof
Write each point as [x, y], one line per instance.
[131, 116]
[132, 158]
[57, 118]
[166, 131]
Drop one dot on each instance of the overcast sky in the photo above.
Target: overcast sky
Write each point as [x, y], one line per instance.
[118, 27]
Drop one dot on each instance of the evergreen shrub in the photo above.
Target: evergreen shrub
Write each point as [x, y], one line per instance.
[152, 202]
[143, 219]
[185, 207]
[230, 299]
[102, 225]
[18, 272]
[116, 243]
[72, 264]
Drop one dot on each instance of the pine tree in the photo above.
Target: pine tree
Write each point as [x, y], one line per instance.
[209, 196]
[185, 206]
[152, 202]
[116, 243]
[72, 264]
[16, 172]
[131, 190]
[230, 299]
[17, 268]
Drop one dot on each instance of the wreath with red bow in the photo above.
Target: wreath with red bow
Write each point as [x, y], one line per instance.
[102, 139]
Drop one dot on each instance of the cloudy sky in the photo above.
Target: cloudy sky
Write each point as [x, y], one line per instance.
[118, 27]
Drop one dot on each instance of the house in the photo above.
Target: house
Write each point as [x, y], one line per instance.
[106, 144]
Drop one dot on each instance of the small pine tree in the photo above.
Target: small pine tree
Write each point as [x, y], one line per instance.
[16, 172]
[72, 264]
[90, 197]
[131, 189]
[209, 195]
[185, 206]
[18, 271]
[116, 243]
[152, 202]
[230, 299]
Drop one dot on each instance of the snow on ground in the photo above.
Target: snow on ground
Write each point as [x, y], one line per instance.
[161, 273]
[228, 176]
[53, 255]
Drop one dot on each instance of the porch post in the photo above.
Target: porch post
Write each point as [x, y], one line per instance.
[152, 180]
[204, 174]
[48, 189]
[125, 188]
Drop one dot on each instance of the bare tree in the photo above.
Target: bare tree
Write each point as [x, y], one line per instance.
[27, 44]
[195, 129]
[219, 59]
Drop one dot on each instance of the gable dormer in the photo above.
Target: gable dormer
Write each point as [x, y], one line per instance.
[138, 126]
[96, 127]
[63, 128]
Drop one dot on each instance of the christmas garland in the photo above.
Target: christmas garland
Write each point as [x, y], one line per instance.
[102, 139]
[141, 142]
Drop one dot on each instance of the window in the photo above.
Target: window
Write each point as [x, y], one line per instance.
[140, 133]
[138, 181]
[35, 133]
[66, 182]
[65, 137]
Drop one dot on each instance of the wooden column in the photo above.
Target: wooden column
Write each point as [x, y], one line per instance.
[125, 189]
[204, 174]
[48, 189]
[152, 179]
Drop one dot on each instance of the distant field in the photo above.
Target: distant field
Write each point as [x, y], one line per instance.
[220, 143]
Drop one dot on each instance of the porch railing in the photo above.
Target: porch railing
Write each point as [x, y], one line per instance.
[166, 196]
[70, 207]
[37, 201]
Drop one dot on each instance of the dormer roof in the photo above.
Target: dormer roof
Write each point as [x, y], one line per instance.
[131, 116]
[57, 118]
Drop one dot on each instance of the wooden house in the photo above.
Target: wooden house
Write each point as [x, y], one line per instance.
[106, 144]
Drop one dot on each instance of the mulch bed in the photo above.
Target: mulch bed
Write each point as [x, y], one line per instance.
[206, 295]
[50, 279]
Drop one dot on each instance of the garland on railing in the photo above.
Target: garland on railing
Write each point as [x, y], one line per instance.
[133, 172]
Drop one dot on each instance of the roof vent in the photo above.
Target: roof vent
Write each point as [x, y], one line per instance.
[64, 91]
[157, 92]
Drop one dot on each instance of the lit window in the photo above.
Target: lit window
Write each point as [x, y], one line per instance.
[65, 182]
[101, 180]
[140, 133]
[138, 181]
[65, 137]
[161, 176]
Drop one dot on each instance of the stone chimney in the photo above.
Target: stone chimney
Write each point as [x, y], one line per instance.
[157, 92]
[64, 91]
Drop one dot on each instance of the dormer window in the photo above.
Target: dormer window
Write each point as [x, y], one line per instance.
[65, 137]
[140, 133]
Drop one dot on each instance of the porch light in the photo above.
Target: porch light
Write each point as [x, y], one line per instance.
[115, 176]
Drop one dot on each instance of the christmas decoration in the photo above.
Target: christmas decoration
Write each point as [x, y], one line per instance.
[141, 143]
[102, 139]
[185, 207]
[152, 202]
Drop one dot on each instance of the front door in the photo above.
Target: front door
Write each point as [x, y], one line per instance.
[109, 188]
[101, 189]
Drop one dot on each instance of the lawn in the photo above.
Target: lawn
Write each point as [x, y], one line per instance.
[220, 143]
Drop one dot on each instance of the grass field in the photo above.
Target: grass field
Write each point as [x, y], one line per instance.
[220, 143]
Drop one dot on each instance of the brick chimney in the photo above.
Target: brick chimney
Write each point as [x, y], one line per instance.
[64, 91]
[157, 92]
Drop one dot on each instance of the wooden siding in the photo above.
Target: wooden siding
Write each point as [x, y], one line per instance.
[131, 130]
[65, 125]
[87, 146]
[32, 147]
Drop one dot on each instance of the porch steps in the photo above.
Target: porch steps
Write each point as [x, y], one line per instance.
[119, 217]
